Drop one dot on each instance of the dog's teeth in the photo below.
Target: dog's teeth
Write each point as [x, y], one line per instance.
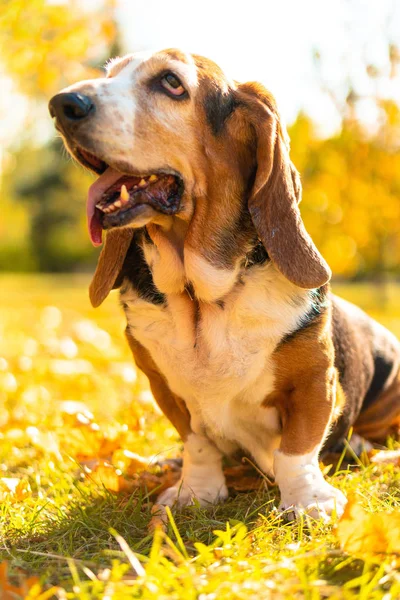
[107, 209]
[117, 203]
[153, 178]
[142, 182]
[124, 197]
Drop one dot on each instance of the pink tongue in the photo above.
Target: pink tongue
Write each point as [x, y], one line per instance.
[95, 193]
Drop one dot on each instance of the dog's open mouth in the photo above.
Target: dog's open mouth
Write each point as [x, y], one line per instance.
[117, 199]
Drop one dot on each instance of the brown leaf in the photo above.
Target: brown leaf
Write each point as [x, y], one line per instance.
[45, 441]
[243, 478]
[15, 592]
[370, 536]
[155, 484]
[130, 462]
[106, 475]
[129, 471]
[112, 479]
[81, 442]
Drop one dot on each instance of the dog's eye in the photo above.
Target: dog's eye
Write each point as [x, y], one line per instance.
[171, 83]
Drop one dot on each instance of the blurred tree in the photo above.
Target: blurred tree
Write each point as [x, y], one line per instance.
[351, 190]
[46, 46]
[351, 181]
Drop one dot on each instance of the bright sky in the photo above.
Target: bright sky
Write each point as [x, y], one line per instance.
[267, 40]
[273, 41]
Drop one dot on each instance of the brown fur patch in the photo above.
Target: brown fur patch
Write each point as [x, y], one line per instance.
[305, 380]
[173, 407]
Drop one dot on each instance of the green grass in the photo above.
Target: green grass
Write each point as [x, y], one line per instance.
[64, 527]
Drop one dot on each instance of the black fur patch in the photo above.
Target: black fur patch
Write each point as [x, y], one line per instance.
[138, 273]
[383, 366]
[257, 256]
[218, 106]
[232, 240]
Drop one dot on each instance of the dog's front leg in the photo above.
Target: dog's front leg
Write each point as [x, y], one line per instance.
[306, 415]
[202, 476]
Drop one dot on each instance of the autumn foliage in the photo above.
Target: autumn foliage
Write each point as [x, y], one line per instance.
[351, 179]
[351, 191]
[49, 45]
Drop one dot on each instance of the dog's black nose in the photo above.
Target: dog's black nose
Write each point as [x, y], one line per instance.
[71, 106]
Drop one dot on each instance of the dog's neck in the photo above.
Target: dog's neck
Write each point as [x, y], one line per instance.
[174, 265]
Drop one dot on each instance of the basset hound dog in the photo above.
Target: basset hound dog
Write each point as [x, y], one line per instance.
[227, 299]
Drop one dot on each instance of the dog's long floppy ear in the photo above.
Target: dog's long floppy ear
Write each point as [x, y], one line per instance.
[110, 263]
[273, 202]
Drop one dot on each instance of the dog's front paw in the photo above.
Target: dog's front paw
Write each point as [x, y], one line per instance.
[184, 494]
[318, 503]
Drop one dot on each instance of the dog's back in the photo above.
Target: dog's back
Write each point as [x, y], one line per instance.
[367, 357]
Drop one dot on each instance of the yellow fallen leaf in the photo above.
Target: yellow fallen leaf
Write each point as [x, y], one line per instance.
[75, 413]
[10, 483]
[17, 436]
[130, 462]
[45, 441]
[80, 442]
[112, 437]
[107, 476]
[87, 440]
[12, 488]
[369, 536]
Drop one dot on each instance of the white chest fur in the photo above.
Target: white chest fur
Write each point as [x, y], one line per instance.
[218, 358]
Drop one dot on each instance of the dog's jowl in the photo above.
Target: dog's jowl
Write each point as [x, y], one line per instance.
[227, 300]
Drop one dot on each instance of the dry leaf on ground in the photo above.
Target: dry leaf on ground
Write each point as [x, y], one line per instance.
[370, 536]
[133, 475]
[113, 480]
[9, 591]
[131, 462]
[243, 478]
[14, 489]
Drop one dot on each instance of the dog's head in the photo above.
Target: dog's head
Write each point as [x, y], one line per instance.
[171, 137]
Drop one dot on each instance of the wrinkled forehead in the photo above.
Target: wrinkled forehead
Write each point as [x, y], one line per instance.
[190, 68]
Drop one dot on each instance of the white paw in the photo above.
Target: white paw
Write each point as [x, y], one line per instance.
[318, 503]
[182, 494]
